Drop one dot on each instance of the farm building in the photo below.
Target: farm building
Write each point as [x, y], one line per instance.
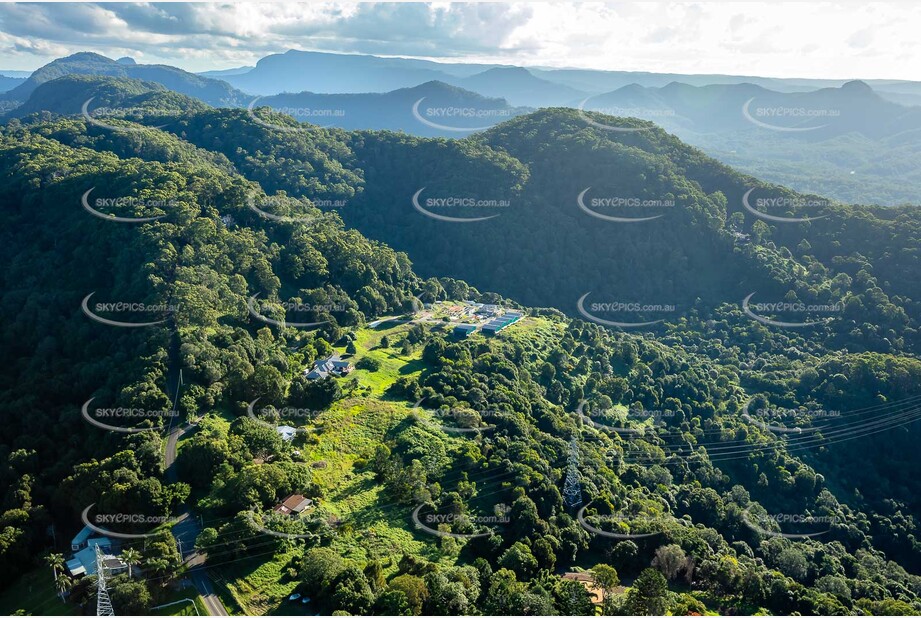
[464, 330]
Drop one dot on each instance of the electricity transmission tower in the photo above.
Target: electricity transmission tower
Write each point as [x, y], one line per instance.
[103, 602]
[572, 487]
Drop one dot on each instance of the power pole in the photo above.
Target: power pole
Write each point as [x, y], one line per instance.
[103, 602]
[572, 487]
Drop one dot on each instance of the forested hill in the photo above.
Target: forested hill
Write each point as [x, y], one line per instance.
[226, 231]
[212, 91]
[191, 272]
[569, 203]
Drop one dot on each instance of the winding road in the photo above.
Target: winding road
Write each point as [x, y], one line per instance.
[186, 531]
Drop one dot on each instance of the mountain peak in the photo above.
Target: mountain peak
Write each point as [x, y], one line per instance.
[83, 57]
[507, 72]
[856, 86]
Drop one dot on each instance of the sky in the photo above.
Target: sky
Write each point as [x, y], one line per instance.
[795, 39]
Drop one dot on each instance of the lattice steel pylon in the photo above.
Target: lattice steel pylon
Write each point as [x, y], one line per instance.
[103, 602]
[572, 486]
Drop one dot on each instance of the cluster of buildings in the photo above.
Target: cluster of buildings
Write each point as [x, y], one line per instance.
[496, 318]
[84, 559]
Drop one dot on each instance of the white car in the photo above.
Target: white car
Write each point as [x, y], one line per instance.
[295, 596]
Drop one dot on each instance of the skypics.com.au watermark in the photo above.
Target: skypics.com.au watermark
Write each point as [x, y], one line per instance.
[459, 420]
[326, 203]
[122, 413]
[435, 519]
[619, 308]
[811, 525]
[446, 118]
[289, 305]
[620, 201]
[772, 117]
[313, 308]
[785, 307]
[131, 518]
[589, 416]
[127, 203]
[776, 419]
[456, 202]
[95, 523]
[269, 415]
[763, 204]
[609, 115]
[307, 114]
[627, 521]
[101, 117]
[124, 308]
[262, 205]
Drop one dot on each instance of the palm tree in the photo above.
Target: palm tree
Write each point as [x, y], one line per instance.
[64, 584]
[131, 557]
[56, 561]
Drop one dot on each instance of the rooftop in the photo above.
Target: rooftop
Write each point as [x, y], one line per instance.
[295, 503]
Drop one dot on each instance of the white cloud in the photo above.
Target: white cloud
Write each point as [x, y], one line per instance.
[835, 40]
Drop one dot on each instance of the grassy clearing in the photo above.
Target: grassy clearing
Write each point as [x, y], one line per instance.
[260, 586]
[347, 432]
[534, 333]
[372, 526]
[35, 593]
[187, 603]
[393, 363]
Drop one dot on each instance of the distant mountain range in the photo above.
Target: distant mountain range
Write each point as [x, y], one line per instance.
[321, 72]
[211, 91]
[296, 71]
[521, 87]
[851, 141]
[846, 142]
[432, 109]
[815, 115]
[8, 83]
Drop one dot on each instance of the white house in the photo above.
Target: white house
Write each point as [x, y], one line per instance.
[325, 367]
[287, 432]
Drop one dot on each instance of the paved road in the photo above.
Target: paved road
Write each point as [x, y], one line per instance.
[186, 530]
[206, 590]
[169, 459]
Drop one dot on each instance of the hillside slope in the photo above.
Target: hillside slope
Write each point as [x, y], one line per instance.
[709, 459]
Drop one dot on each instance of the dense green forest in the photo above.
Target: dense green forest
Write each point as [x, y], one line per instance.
[709, 463]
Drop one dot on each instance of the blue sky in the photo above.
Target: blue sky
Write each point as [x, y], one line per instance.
[795, 39]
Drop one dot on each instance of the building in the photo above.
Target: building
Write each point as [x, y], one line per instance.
[498, 323]
[79, 541]
[287, 432]
[84, 560]
[488, 310]
[464, 330]
[293, 505]
[326, 367]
